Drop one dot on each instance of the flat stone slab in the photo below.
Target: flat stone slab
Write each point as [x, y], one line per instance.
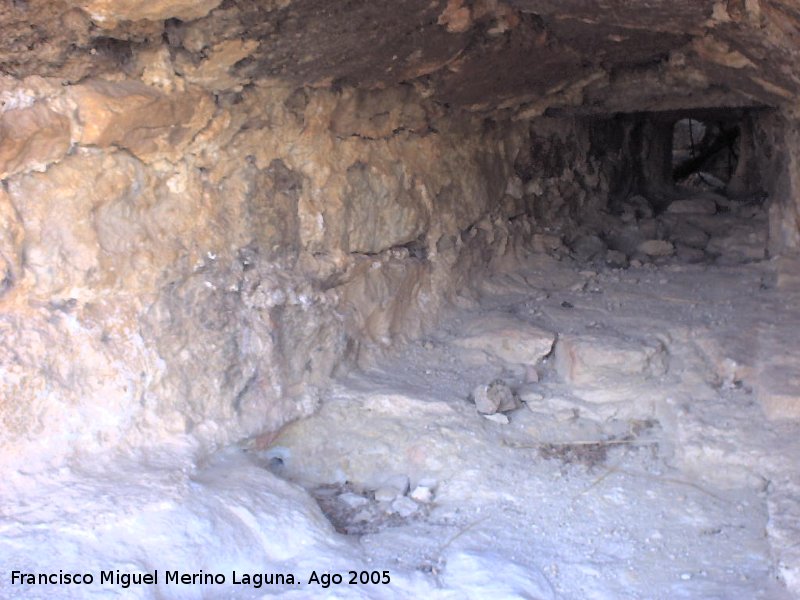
[780, 405]
[696, 205]
[740, 244]
[510, 340]
[656, 248]
[592, 360]
[777, 388]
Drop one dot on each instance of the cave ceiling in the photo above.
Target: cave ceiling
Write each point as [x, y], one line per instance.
[523, 56]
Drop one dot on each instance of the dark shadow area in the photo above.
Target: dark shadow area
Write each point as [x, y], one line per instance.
[664, 156]
[705, 153]
[688, 186]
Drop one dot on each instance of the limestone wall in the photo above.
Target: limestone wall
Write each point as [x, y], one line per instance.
[175, 262]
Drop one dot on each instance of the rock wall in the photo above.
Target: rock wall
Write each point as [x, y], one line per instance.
[177, 262]
[776, 152]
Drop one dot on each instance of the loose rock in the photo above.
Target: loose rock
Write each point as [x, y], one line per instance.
[588, 247]
[636, 207]
[688, 235]
[656, 248]
[699, 205]
[386, 494]
[352, 500]
[546, 243]
[511, 340]
[495, 397]
[593, 360]
[422, 494]
[498, 418]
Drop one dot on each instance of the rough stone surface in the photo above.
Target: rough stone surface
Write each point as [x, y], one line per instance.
[404, 506]
[509, 340]
[777, 140]
[689, 255]
[687, 234]
[588, 247]
[209, 209]
[31, 138]
[220, 263]
[546, 243]
[394, 486]
[386, 494]
[616, 259]
[213, 73]
[595, 361]
[645, 55]
[495, 397]
[498, 418]
[775, 376]
[139, 118]
[421, 493]
[700, 205]
[383, 211]
[780, 401]
[739, 244]
[108, 12]
[83, 241]
[656, 248]
[11, 236]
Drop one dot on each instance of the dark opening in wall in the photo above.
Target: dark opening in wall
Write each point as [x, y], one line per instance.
[705, 152]
[665, 155]
[697, 186]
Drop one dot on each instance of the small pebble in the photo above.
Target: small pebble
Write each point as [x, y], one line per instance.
[497, 418]
[422, 493]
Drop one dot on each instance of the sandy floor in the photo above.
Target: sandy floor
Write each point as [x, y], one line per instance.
[640, 464]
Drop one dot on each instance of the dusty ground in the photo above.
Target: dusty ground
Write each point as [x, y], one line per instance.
[666, 485]
[640, 463]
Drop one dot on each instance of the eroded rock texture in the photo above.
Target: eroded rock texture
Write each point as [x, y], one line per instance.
[174, 265]
[208, 208]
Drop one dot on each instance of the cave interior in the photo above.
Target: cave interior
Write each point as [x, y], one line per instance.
[471, 298]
